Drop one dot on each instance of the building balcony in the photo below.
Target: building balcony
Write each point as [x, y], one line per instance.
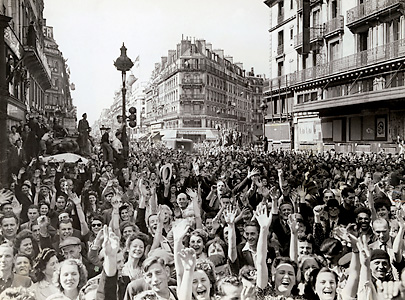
[300, 4]
[35, 59]
[371, 10]
[334, 26]
[315, 34]
[193, 97]
[277, 83]
[353, 62]
[192, 83]
[387, 95]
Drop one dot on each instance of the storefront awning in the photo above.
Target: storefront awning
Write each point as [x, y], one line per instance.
[169, 134]
[211, 135]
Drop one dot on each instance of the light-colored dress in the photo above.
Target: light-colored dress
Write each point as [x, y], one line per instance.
[43, 290]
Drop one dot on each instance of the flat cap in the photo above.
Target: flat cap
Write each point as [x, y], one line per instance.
[70, 241]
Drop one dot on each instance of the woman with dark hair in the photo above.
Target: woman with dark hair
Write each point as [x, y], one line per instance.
[284, 271]
[199, 279]
[45, 265]
[26, 244]
[44, 208]
[70, 277]
[138, 247]
[323, 283]
[197, 240]
[217, 251]
[90, 204]
[331, 250]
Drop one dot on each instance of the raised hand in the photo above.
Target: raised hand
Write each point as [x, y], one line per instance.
[111, 243]
[292, 223]
[180, 229]
[14, 177]
[265, 192]
[188, 258]
[161, 216]
[302, 192]
[196, 169]
[230, 214]
[191, 193]
[318, 210]
[364, 251]
[371, 186]
[248, 293]
[76, 199]
[6, 196]
[274, 193]
[258, 182]
[116, 203]
[17, 207]
[142, 188]
[262, 217]
[390, 290]
[253, 172]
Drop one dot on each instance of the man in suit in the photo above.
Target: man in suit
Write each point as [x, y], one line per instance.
[384, 242]
[7, 277]
[17, 157]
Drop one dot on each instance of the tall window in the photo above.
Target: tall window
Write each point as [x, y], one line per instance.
[334, 50]
[281, 8]
[281, 38]
[334, 9]
[280, 68]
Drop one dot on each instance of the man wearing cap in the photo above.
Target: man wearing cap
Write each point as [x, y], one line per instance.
[380, 266]
[71, 247]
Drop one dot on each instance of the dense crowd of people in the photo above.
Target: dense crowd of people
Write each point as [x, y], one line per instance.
[223, 222]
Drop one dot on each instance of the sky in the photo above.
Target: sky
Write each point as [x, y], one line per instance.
[90, 34]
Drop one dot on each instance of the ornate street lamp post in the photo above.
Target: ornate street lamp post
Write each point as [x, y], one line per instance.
[124, 64]
[264, 107]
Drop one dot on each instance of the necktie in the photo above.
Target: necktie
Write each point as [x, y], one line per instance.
[383, 247]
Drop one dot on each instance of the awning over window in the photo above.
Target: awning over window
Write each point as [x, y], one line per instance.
[211, 135]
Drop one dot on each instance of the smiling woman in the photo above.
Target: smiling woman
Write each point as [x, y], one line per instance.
[70, 277]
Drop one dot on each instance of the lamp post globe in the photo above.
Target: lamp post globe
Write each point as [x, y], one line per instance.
[124, 64]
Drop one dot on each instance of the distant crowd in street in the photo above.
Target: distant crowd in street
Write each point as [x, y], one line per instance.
[226, 221]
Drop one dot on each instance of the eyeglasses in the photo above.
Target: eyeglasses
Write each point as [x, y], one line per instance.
[96, 225]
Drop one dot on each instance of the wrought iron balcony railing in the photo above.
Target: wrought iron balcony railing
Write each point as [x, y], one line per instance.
[315, 33]
[352, 62]
[368, 8]
[334, 25]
